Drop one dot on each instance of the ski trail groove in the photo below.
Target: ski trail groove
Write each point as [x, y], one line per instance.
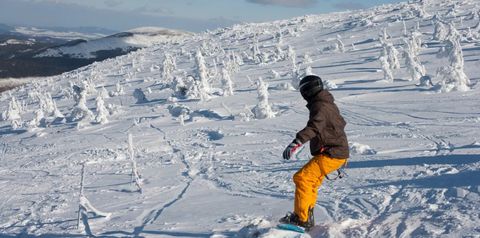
[155, 213]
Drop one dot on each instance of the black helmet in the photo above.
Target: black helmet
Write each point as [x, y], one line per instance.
[310, 85]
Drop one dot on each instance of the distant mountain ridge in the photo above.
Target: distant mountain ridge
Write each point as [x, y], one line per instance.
[27, 51]
[124, 42]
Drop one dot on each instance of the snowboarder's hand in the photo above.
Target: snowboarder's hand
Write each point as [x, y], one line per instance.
[291, 149]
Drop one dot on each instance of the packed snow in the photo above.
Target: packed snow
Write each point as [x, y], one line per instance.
[184, 139]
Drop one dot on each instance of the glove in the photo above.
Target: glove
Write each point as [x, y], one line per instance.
[291, 149]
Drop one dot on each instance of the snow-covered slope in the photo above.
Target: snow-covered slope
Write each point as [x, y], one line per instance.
[208, 168]
[125, 41]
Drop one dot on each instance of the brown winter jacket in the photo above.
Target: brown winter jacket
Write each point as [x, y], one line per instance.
[325, 127]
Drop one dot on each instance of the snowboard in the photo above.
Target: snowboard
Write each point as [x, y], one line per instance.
[290, 227]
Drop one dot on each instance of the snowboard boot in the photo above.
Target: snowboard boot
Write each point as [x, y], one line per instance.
[292, 218]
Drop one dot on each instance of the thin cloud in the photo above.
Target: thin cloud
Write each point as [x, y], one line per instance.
[148, 10]
[285, 3]
[112, 3]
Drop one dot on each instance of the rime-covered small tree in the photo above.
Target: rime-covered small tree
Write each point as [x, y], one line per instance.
[414, 66]
[104, 93]
[390, 53]
[168, 67]
[48, 105]
[227, 83]
[80, 111]
[339, 44]
[135, 175]
[307, 59]
[118, 90]
[13, 112]
[440, 31]
[102, 112]
[263, 109]
[387, 71]
[280, 55]
[256, 53]
[292, 56]
[452, 77]
[275, 74]
[202, 76]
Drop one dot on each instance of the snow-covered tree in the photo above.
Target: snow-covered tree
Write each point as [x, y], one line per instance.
[280, 55]
[292, 56]
[307, 59]
[263, 109]
[202, 77]
[118, 90]
[104, 93]
[384, 36]
[256, 53]
[179, 87]
[440, 31]
[296, 77]
[452, 77]
[387, 71]
[135, 175]
[339, 44]
[392, 55]
[414, 66]
[48, 105]
[38, 119]
[193, 89]
[13, 112]
[416, 42]
[168, 67]
[80, 111]
[227, 83]
[279, 37]
[102, 111]
[232, 65]
[419, 10]
[89, 85]
[275, 74]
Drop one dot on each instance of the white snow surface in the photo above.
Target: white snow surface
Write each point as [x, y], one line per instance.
[216, 174]
[140, 38]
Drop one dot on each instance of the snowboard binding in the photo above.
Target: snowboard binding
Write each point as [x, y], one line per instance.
[293, 219]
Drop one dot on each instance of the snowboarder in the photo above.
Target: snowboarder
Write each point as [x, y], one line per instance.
[328, 146]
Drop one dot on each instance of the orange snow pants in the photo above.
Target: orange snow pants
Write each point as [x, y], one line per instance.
[308, 179]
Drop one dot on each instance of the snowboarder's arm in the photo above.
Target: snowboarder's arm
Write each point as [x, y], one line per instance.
[313, 128]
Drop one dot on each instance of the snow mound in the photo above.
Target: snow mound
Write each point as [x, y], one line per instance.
[360, 149]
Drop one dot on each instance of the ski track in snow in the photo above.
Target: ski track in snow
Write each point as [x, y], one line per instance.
[219, 174]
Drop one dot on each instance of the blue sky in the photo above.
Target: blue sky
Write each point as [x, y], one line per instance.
[191, 15]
